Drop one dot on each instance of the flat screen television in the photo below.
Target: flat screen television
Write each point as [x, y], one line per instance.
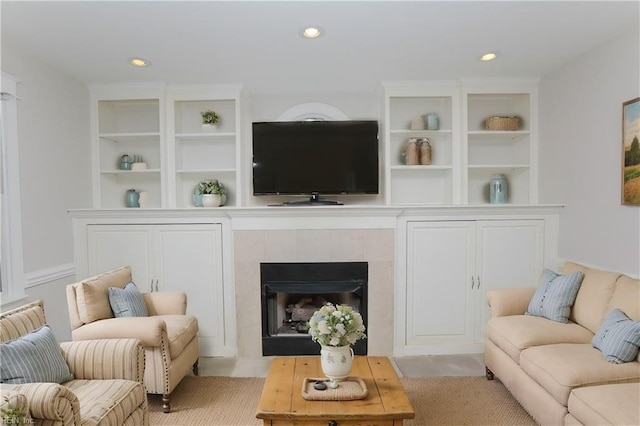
[315, 158]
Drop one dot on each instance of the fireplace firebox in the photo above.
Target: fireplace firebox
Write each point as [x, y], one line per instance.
[291, 292]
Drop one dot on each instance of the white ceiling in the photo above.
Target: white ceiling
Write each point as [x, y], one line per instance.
[257, 43]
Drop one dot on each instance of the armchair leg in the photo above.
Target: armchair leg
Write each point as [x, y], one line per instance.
[166, 402]
[195, 368]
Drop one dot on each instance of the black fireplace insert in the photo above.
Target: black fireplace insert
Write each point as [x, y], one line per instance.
[292, 292]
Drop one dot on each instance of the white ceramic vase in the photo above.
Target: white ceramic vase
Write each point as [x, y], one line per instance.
[211, 200]
[336, 361]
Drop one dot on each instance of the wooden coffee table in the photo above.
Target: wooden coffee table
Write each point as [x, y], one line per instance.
[282, 403]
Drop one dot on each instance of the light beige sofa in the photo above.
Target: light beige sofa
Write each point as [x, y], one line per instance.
[551, 368]
[168, 334]
[107, 386]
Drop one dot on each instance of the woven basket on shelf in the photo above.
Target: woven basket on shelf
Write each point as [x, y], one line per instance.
[502, 123]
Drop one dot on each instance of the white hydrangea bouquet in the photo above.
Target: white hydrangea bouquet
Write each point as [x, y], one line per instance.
[336, 325]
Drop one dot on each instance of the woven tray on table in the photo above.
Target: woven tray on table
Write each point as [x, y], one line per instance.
[502, 123]
[349, 389]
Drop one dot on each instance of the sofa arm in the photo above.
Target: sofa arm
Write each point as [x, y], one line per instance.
[509, 301]
[50, 403]
[165, 303]
[105, 359]
[151, 331]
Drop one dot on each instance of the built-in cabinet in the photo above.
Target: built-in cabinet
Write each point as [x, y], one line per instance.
[465, 155]
[169, 257]
[128, 123]
[452, 245]
[160, 128]
[200, 152]
[512, 153]
[449, 267]
[419, 184]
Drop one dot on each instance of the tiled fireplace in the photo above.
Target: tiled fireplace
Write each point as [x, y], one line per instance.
[373, 246]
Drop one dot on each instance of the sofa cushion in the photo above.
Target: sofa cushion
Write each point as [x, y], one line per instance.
[626, 297]
[107, 402]
[33, 358]
[559, 368]
[515, 333]
[181, 329]
[92, 294]
[592, 301]
[606, 404]
[618, 338]
[555, 295]
[127, 301]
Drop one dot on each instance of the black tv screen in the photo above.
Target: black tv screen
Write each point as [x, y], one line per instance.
[315, 157]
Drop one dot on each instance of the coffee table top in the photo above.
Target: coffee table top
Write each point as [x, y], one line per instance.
[282, 393]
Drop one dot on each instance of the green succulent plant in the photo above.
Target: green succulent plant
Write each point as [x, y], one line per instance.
[209, 117]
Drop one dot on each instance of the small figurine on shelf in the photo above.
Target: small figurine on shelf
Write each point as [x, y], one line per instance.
[425, 151]
[413, 152]
[125, 162]
[209, 118]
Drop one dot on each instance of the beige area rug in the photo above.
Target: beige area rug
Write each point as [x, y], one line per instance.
[228, 401]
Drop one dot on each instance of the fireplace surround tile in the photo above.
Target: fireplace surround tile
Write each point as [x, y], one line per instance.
[375, 246]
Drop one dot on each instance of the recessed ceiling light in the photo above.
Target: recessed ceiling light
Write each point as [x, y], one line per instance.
[489, 56]
[139, 62]
[311, 32]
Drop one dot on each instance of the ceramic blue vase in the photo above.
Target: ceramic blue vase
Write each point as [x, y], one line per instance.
[132, 198]
[498, 189]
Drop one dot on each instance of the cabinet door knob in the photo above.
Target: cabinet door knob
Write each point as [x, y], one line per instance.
[332, 423]
[478, 287]
[473, 282]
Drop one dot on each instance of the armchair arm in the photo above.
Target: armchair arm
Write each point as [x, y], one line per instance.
[165, 303]
[51, 402]
[151, 331]
[13, 405]
[105, 359]
[509, 301]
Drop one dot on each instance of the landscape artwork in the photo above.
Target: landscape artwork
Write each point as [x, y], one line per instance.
[631, 152]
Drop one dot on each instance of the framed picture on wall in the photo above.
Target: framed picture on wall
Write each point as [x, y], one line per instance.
[631, 152]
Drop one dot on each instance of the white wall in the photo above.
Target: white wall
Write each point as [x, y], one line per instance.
[55, 175]
[580, 154]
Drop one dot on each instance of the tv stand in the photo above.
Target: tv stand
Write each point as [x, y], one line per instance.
[314, 200]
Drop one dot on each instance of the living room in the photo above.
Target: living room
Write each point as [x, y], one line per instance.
[592, 68]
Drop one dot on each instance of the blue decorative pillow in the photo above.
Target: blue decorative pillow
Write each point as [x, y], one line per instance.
[618, 338]
[555, 295]
[127, 301]
[33, 358]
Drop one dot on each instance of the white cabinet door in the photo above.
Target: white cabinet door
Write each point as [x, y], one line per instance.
[510, 254]
[189, 259]
[112, 246]
[450, 267]
[440, 261]
[186, 258]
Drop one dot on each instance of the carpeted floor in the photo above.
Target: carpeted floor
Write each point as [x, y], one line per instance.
[227, 401]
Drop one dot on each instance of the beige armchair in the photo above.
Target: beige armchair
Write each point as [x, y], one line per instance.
[169, 336]
[107, 386]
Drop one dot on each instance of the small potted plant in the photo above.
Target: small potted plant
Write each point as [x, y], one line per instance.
[213, 193]
[209, 118]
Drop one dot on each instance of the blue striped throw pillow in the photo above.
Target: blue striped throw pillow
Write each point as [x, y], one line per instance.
[555, 295]
[33, 358]
[618, 338]
[127, 301]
